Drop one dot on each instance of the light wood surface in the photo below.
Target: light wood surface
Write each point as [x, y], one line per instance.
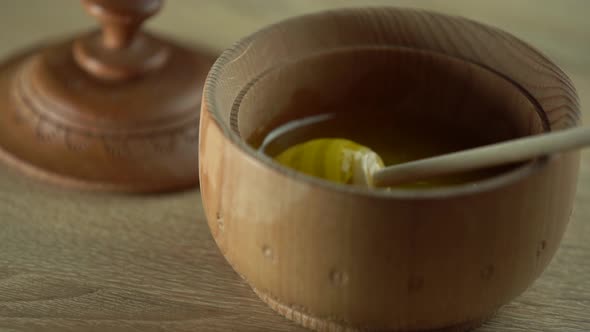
[73, 261]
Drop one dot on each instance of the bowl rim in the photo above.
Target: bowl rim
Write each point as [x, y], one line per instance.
[481, 186]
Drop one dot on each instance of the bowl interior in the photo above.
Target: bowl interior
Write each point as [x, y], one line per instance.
[430, 91]
[437, 95]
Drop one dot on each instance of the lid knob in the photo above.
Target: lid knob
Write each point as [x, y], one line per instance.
[120, 51]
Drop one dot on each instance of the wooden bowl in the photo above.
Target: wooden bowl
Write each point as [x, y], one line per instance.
[338, 258]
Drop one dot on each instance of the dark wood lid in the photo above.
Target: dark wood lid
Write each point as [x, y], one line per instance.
[110, 110]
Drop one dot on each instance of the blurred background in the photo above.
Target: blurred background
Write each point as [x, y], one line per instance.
[561, 28]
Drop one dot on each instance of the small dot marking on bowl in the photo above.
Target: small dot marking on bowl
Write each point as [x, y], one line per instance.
[541, 248]
[267, 251]
[220, 223]
[338, 278]
[415, 284]
[488, 272]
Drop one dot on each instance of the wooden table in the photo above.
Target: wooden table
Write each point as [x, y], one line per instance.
[73, 261]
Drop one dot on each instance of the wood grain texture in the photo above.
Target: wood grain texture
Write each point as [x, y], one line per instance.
[342, 259]
[81, 262]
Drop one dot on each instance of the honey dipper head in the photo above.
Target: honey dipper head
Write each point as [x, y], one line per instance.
[334, 159]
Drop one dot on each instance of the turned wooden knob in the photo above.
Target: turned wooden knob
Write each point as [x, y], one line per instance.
[120, 51]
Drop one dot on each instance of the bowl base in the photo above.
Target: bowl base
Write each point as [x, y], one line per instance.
[325, 325]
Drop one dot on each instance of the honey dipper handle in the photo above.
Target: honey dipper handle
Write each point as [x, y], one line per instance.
[482, 157]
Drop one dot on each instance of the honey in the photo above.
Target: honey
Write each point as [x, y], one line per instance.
[394, 138]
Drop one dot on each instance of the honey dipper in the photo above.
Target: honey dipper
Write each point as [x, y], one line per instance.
[345, 161]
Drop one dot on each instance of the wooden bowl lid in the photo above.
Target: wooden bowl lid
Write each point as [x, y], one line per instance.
[116, 110]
